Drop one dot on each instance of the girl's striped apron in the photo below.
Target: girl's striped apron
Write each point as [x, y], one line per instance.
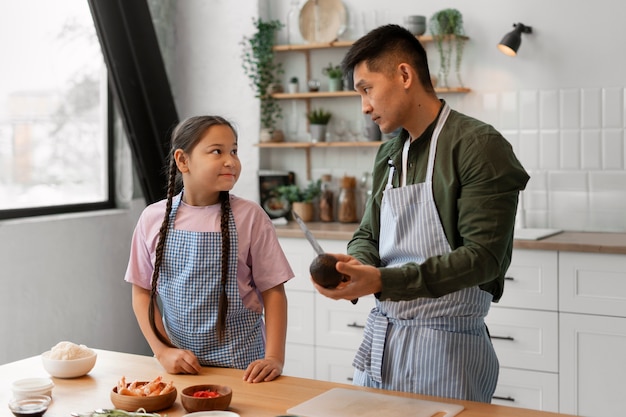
[430, 346]
[189, 287]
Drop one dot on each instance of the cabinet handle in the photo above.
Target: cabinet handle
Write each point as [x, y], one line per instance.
[497, 397]
[356, 326]
[509, 278]
[350, 379]
[502, 337]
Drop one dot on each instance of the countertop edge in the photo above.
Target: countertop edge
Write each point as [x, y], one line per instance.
[592, 242]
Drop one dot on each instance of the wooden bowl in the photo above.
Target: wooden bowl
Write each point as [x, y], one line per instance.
[150, 404]
[193, 404]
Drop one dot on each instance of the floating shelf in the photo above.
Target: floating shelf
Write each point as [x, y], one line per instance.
[345, 44]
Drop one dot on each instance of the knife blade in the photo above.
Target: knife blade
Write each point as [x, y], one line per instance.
[307, 233]
[316, 246]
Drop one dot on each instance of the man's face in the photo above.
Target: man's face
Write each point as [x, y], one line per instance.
[382, 96]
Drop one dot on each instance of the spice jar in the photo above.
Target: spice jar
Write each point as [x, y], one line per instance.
[326, 200]
[347, 200]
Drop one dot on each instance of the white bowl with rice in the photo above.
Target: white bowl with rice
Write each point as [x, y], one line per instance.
[68, 360]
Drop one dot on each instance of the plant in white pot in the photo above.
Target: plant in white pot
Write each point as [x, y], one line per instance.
[335, 77]
[264, 74]
[318, 123]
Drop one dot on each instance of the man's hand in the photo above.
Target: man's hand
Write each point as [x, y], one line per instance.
[362, 280]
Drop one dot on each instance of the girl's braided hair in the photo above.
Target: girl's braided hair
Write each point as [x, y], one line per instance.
[185, 136]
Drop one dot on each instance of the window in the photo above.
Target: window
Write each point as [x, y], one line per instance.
[55, 146]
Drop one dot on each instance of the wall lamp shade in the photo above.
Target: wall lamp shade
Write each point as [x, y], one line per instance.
[511, 41]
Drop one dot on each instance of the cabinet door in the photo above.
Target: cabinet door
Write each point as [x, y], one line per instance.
[301, 317]
[525, 339]
[527, 389]
[593, 365]
[334, 365]
[339, 323]
[299, 254]
[299, 361]
[592, 283]
[532, 280]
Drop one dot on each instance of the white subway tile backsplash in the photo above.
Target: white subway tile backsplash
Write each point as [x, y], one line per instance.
[529, 149]
[613, 149]
[570, 109]
[509, 111]
[612, 108]
[591, 108]
[591, 149]
[529, 109]
[569, 181]
[549, 109]
[570, 149]
[549, 152]
[607, 220]
[512, 136]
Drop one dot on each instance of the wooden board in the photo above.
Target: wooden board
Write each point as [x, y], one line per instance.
[341, 402]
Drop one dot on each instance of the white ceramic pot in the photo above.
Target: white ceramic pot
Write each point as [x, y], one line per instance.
[318, 133]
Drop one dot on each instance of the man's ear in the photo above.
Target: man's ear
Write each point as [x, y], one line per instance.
[407, 74]
[181, 160]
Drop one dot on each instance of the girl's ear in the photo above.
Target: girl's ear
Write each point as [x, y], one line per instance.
[181, 160]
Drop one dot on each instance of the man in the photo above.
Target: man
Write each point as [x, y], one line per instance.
[437, 234]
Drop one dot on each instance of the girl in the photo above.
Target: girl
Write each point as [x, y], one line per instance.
[214, 261]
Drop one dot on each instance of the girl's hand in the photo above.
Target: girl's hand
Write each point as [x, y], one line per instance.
[263, 370]
[178, 361]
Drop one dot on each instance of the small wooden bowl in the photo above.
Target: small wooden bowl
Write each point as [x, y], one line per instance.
[150, 404]
[193, 404]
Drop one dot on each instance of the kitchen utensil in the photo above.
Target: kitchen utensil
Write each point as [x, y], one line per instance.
[342, 402]
[322, 257]
[322, 20]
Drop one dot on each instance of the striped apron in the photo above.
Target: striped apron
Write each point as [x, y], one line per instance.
[431, 346]
[189, 287]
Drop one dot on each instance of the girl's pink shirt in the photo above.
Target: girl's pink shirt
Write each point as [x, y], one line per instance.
[261, 262]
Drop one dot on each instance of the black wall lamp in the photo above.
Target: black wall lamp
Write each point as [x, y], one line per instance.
[511, 41]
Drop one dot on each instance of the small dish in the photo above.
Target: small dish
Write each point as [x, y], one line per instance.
[33, 406]
[149, 403]
[68, 368]
[214, 413]
[191, 403]
[29, 387]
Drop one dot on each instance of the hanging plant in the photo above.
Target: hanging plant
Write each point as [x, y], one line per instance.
[447, 23]
[263, 72]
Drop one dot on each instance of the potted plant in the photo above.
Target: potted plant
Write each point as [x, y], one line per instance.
[335, 77]
[318, 122]
[293, 86]
[301, 199]
[264, 74]
[448, 23]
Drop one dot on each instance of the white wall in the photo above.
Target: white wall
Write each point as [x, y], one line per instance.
[560, 101]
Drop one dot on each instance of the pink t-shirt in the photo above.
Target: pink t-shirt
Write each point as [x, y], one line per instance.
[261, 262]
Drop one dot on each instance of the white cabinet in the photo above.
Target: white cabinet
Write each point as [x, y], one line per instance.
[592, 296]
[524, 332]
[322, 334]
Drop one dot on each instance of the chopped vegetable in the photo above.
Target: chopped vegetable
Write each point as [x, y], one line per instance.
[206, 394]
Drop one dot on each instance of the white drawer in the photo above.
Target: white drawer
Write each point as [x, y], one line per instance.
[527, 389]
[299, 361]
[592, 283]
[339, 323]
[299, 254]
[525, 339]
[531, 280]
[334, 365]
[301, 317]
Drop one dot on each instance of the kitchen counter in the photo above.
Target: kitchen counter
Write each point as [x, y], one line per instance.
[268, 399]
[594, 242]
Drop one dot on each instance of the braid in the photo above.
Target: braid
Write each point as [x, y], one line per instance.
[223, 304]
[160, 249]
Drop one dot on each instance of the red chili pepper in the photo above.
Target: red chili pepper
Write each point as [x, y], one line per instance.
[206, 394]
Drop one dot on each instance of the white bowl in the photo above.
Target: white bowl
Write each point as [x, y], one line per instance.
[68, 368]
[25, 388]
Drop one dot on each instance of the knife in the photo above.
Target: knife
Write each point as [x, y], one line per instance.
[322, 269]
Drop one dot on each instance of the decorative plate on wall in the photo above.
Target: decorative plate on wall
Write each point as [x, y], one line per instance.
[322, 20]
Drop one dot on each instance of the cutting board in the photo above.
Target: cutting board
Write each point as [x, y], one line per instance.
[534, 234]
[341, 402]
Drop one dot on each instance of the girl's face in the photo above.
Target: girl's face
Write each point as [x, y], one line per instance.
[211, 166]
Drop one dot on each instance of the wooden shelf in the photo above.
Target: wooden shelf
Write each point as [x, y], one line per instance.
[308, 145]
[344, 44]
[333, 94]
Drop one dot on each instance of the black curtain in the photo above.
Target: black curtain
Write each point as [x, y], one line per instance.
[140, 86]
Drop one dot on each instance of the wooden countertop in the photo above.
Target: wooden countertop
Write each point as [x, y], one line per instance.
[595, 242]
[268, 399]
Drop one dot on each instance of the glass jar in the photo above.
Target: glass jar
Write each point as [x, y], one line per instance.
[293, 23]
[347, 212]
[327, 200]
